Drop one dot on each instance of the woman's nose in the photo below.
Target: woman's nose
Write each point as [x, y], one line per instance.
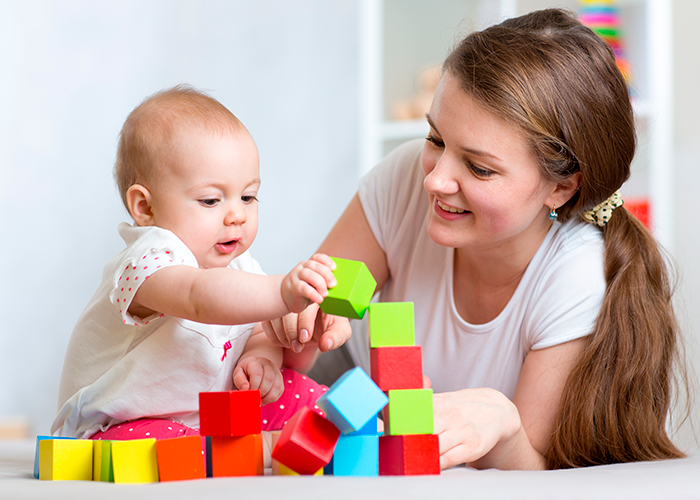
[441, 179]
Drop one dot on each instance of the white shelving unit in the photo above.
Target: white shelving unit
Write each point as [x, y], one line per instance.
[400, 37]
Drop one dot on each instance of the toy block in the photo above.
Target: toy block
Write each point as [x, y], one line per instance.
[275, 465]
[102, 469]
[135, 461]
[356, 455]
[230, 413]
[369, 429]
[351, 296]
[306, 443]
[410, 411]
[39, 439]
[180, 458]
[207, 454]
[286, 471]
[391, 324]
[399, 367]
[409, 455]
[237, 456]
[328, 468]
[65, 460]
[352, 400]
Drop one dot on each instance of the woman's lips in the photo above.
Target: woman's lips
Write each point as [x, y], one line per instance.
[448, 212]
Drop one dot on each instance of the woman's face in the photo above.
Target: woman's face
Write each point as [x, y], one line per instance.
[485, 187]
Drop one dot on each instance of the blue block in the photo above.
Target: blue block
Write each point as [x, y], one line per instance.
[39, 439]
[356, 455]
[352, 401]
[369, 429]
[328, 469]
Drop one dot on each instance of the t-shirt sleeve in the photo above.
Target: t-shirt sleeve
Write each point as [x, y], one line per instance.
[568, 298]
[154, 250]
[390, 193]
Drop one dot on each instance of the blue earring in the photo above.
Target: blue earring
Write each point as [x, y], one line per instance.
[553, 214]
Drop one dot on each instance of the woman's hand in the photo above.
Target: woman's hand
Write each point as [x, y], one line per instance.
[257, 372]
[311, 326]
[482, 428]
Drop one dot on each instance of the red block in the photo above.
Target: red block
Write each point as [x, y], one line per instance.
[409, 455]
[237, 456]
[230, 413]
[397, 367]
[307, 442]
[180, 458]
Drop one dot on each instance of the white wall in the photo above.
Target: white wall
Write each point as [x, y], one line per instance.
[73, 70]
[687, 163]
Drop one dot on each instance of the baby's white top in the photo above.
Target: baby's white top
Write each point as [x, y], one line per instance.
[118, 367]
[557, 300]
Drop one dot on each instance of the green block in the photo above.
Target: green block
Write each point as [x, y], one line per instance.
[102, 461]
[391, 324]
[410, 411]
[351, 296]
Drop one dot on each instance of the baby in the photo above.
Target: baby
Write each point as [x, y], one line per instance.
[158, 330]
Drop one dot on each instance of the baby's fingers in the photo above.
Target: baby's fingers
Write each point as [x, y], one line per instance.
[240, 379]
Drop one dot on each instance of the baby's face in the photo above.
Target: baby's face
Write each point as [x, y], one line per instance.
[207, 195]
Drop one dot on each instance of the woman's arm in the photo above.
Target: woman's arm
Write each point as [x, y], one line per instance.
[482, 428]
[350, 238]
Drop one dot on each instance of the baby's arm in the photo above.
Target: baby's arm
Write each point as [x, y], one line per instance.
[226, 296]
[259, 367]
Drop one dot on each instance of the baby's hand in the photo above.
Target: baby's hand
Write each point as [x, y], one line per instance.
[255, 372]
[308, 282]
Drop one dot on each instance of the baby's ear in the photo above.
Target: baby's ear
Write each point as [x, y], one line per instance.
[138, 199]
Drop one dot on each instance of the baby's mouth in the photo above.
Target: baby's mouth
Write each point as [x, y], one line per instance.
[227, 246]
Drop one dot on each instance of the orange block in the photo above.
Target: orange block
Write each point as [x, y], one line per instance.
[180, 458]
[237, 456]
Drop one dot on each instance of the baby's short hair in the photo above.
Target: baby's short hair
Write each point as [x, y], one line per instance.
[148, 129]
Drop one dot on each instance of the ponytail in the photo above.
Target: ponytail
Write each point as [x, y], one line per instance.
[617, 398]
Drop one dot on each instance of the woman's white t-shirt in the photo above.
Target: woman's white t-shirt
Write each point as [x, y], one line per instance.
[557, 300]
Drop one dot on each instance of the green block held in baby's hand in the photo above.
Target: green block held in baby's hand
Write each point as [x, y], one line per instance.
[351, 296]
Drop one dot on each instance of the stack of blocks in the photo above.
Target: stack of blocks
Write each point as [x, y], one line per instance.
[344, 443]
[408, 445]
[352, 443]
[232, 422]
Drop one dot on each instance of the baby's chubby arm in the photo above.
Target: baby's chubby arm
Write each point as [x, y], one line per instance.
[227, 296]
[259, 367]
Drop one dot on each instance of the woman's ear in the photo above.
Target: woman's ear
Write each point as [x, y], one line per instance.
[564, 190]
[138, 199]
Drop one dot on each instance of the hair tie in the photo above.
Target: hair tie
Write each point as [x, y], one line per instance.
[600, 214]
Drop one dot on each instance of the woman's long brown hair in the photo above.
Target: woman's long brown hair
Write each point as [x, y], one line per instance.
[557, 81]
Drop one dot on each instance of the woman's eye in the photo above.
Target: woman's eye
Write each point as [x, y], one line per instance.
[209, 202]
[479, 172]
[436, 142]
[248, 199]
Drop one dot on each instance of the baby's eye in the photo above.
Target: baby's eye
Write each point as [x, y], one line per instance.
[436, 142]
[248, 198]
[209, 202]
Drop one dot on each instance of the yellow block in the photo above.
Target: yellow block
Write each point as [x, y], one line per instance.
[135, 461]
[65, 460]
